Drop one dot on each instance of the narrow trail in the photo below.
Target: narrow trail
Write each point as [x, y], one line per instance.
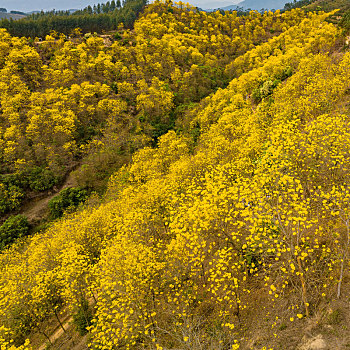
[57, 334]
[37, 208]
[67, 339]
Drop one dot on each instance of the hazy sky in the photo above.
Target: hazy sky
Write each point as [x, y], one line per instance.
[32, 5]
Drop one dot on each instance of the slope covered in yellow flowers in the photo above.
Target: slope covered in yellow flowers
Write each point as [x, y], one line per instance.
[93, 100]
[239, 219]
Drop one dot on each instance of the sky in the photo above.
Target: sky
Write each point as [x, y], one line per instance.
[205, 4]
[37, 5]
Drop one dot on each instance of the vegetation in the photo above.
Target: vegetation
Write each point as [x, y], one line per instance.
[329, 5]
[342, 6]
[225, 141]
[104, 100]
[297, 4]
[345, 22]
[13, 187]
[100, 18]
[82, 317]
[13, 228]
[10, 198]
[67, 199]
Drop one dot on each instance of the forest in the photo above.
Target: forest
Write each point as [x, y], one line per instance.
[100, 18]
[210, 161]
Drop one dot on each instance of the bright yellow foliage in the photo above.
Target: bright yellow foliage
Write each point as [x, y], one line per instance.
[192, 232]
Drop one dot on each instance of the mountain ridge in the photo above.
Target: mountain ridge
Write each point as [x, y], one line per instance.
[38, 5]
[10, 15]
[262, 4]
[256, 5]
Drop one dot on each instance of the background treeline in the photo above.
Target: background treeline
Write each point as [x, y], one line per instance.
[322, 5]
[4, 10]
[297, 4]
[95, 9]
[101, 17]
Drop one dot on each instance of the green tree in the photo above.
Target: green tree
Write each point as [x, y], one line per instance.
[13, 228]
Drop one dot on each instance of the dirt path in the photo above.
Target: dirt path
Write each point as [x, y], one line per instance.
[37, 208]
[57, 334]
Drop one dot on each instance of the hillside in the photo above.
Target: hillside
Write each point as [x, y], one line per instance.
[100, 18]
[11, 15]
[256, 5]
[262, 4]
[210, 154]
[46, 5]
[321, 5]
[329, 5]
[311, 5]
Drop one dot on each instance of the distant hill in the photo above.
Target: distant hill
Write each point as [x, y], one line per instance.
[325, 5]
[329, 5]
[46, 5]
[36, 12]
[10, 15]
[229, 8]
[259, 4]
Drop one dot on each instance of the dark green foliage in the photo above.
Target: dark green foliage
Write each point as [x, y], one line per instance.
[297, 4]
[252, 254]
[33, 178]
[288, 72]
[41, 179]
[10, 197]
[100, 18]
[14, 179]
[14, 186]
[195, 132]
[161, 127]
[13, 228]
[345, 22]
[117, 36]
[82, 317]
[67, 199]
[18, 13]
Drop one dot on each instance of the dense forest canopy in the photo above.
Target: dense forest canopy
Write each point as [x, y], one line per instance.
[101, 17]
[218, 146]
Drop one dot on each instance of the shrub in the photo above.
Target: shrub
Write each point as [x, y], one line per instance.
[13, 228]
[67, 199]
[82, 317]
[41, 179]
[286, 73]
[345, 22]
[10, 197]
[117, 36]
[265, 90]
[16, 179]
